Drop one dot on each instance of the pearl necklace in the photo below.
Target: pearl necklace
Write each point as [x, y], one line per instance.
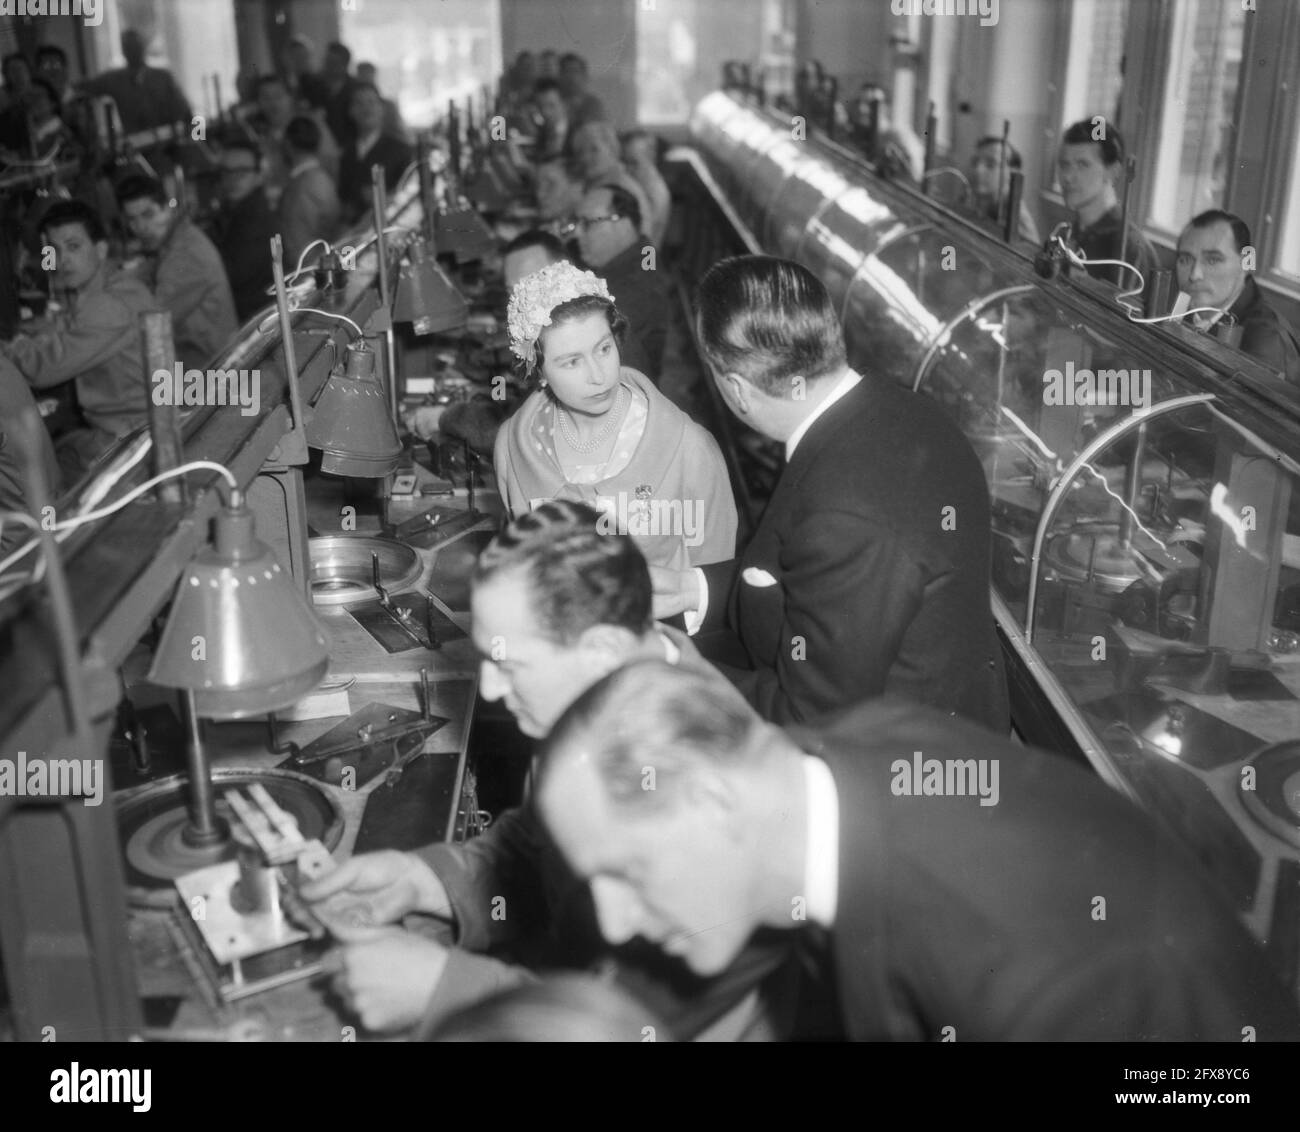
[603, 434]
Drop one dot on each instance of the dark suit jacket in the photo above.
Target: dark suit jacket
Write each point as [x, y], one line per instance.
[354, 172]
[1104, 240]
[1266, 335]
[641, 297]
[874, 593]
[985, 918]
[243, 237]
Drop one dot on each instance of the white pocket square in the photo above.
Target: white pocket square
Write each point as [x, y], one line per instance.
[754, 576]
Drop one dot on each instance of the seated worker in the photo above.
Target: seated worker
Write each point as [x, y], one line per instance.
[184, 270]
[599, 432]
[1089, 169]
[393, 123]
[309, 204]
[558, 191]
[528, 252]
[574, 78]
[276, 110]
[609, 229]
[948, 915]
[1209, 268]
[991, 166]
[553, 134]
[94, 341]
[640, 155]
[243, 228]
[555, 606]
[145, 96]
[372, 147]
[869, 570]
[597, 160]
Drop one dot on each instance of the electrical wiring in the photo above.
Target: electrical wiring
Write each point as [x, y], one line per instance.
[67, 526]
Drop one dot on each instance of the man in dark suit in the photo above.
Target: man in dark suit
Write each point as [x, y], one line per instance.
[869, 572]
[608, 228]
[971, 890]
[243, 228]
[372, 147]
[1212, 269]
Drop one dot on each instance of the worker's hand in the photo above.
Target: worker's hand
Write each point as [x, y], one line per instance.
[372, 889]
[675, 591]
[387, 980]
[423, 420]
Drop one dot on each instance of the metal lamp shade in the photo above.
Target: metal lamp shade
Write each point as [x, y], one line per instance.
[241, 636]
[427, 298]
[460, 232]
[352, 425]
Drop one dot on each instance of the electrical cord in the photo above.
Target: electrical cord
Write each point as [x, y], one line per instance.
[66, 527]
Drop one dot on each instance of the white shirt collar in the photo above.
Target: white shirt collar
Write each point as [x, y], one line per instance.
[822, 860]
[303, 165]
[364, 145]
[841, 388]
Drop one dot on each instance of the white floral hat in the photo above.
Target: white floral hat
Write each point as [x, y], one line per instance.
[535, 296]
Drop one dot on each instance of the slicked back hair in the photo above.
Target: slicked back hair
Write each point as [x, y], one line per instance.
[577, 576]
[75, 212]
[654, 714]
[768, 320]
[1240, 229]
[1111, 146]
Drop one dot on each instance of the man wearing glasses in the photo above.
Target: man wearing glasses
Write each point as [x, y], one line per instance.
[608, 231]
[242, 230]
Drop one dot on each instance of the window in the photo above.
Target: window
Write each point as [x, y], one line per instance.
[194, 39]
[422, 61]
[1194, 141]
[1094, 69]
[1288, 252]
[681, 46]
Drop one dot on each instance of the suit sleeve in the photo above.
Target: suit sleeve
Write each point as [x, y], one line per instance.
[850, 592]
[72, 345]
[494, 882]
[468, 979]
[1266, 341]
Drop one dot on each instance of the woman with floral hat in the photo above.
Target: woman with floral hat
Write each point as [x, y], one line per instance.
[600, 433]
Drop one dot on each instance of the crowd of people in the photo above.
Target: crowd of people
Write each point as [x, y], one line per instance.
[714, 820]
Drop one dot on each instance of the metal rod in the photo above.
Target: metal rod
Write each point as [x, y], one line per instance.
[1132, 486]
[931, 125]
[380, 205]
[286, 332]
[1002, 166]
[1130, 171]
[1015, 192]
[165, 418]
[428, 204]
[204, 827]
[65, 628]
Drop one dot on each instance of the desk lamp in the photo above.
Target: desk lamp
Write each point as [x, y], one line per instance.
[240, 641]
